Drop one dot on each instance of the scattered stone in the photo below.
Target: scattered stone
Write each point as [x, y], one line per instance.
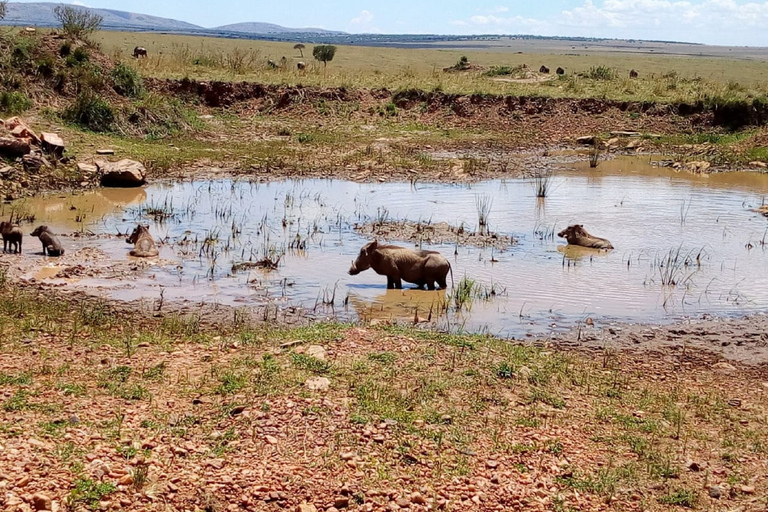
[724, 367]
[105, 151]
[125, 173]
[317, 383]
[694, 466]
[42, 502]
[418, 499]
[33, 163]
[761, 165]
[347, 455]
[271, 439]
[306, 507]
[341, 502]
[317, 352]
[701, 167]
[715, 492]
[237, 410]
[492, 464]
[747, 489]
[446, 419]
[87, 168]
[734, 402]
[13, 148]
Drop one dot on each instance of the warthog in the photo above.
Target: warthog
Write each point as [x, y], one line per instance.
[560, 71]
[51, 244]
[544, 69]
[422, 268]
[633, 74]
[143, 244]
[272, 64]
[12, 236]
[301, 66]
[577, 235]
[139, 51]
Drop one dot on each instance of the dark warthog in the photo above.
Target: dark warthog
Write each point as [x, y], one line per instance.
[139, 51]
[12, 236]
[633, 74]
[544, 69]
[422, 268]
[143, 244]
[560, 71]
[577, 235]
[51, 244]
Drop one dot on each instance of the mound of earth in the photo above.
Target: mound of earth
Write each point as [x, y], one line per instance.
[437, 233]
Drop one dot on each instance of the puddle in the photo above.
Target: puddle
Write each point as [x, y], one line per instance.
[698, 231]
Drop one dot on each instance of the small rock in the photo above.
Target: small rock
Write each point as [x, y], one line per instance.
[418, 499]
[317, 352]
[379, 438]
[761, 165]
[126, 480]
[747, 489]
[125, 173]
[446, 419]
[306, 507]
[403, 502]
[87, 168]
[715, 492]
[347, 455]
[724, 367]
[694, 466]
[42, 502]
[734, 402]
[317, 383]
[271, 439]
[237, 410]
[492, 464]
[105, 151]
[341, 502]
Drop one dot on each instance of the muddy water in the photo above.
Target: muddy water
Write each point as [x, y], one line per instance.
[695, 231]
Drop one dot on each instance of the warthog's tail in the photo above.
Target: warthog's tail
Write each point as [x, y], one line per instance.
[450, 268]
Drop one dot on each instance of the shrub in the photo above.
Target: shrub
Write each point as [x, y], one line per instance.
[77, 23]
[90, 111]
[65, 49]
[601, 73]
[14, 102]
[158, 117]
[46, 66]
[77, 57]
[127, 81]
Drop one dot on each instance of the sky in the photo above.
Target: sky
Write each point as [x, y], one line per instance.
[727, 22]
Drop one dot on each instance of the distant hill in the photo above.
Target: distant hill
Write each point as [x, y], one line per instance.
[270, 28]
[41, 14]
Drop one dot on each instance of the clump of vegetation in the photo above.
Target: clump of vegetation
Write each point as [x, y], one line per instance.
[90, 111]
[77, 23]
[14, 102]
[127, 81]
[89, 493]
[324, 53]
[506, 71]
[601, 73]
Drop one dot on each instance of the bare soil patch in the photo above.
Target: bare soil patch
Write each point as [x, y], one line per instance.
[434, 233]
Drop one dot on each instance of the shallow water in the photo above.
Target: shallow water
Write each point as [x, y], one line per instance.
[538, 285]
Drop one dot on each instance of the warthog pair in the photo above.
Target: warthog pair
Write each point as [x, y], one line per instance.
[422, 268]
[13, 236]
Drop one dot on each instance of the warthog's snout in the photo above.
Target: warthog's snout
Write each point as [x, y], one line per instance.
[562, 233]
[353, 270]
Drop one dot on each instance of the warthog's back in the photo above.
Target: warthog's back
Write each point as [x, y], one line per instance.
[144, 247]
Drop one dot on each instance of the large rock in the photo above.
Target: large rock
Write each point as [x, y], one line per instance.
[34, 162]
[13, 148]
[125, 173]
[52, 144]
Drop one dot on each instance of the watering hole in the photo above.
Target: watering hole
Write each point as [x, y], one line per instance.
[685, 245]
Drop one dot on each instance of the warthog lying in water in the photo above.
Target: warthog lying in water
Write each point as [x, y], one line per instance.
[51, 244]
[12, 236]
[422, 268]
[577, 235]
[143, 244]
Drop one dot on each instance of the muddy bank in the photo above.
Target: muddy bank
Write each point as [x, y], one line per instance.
[491, 108]
[433, 233]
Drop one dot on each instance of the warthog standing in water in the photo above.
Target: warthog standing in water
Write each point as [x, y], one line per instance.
[12, 236]
[139, 51]
[143, 244]
[51, 244]
[544, 69]
[577, 235]
[422, 268]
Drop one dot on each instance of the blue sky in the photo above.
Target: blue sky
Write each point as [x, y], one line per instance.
[733, 22]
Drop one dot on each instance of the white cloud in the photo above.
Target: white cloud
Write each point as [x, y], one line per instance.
[79, 3]
[363, 22]
[711, 21]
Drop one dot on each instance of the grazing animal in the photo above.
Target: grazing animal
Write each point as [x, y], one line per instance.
[301, 66]
[633, 74]
[560, 71]
[272, 64]
[139, 51]
[143, 244]
[422, 268]
[577, 235]
[12, 236]
[544, 69]
[51, 244]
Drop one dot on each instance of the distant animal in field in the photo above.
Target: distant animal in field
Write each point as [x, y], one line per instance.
[139, 51]
[272, 64]
[544, 69]
[51, 244]
[577, 235]
[633, 74]
[12, 236]
[422, 268]
[560, 71]
[301, 66]
[143, 244]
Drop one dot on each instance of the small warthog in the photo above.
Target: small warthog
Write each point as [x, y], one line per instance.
[143, 244]
[51, 244]
[12, 236]
[139, 51]
[422, 268]
[577, 235]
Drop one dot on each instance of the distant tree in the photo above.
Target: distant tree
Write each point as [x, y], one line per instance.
[324, 53]
[77, 23]
[300, 47]
[3, 9]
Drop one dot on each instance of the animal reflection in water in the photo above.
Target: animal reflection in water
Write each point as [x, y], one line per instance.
[417, 306]
[578, 253]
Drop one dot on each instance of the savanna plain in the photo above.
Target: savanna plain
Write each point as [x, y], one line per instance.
[242, 368]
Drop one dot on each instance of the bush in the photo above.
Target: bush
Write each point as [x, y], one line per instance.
[90, 111]
[158, 117]
[65, 49]
[46, 66]
[14, 103]
[77, 23]
[127, 81]
[601, 73]
[79, 56]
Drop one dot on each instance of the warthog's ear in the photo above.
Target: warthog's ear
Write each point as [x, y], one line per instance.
[373, 245]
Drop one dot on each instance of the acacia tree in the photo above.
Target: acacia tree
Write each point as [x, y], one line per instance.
[300, 47]
[77, 23]
[324, 53]
[3, 9]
